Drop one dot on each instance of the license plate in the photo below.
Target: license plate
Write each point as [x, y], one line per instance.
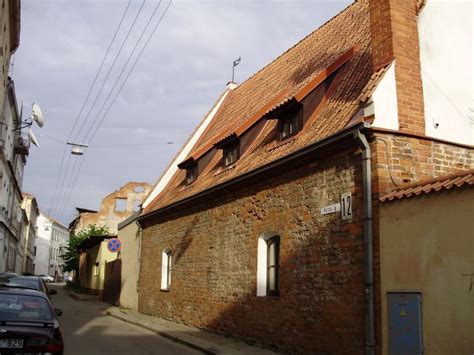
[11, 343]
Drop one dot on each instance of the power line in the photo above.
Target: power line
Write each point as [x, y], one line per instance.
[58, 180]
[120, 89]
[110, 70]
[108, 74]
[113, 145]
[121, 73]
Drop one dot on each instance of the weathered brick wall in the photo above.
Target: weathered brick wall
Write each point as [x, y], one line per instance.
[321, 303]
[409, 159]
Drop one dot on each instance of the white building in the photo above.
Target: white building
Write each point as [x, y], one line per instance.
[53, 237]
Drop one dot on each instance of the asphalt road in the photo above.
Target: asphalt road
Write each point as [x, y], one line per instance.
[88, 330]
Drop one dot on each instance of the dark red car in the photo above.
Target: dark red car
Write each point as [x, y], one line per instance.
[28, 322]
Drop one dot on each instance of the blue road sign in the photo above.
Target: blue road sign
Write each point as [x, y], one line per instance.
[114, 245]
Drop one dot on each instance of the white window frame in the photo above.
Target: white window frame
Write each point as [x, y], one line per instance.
[262, 254]
[166, 269]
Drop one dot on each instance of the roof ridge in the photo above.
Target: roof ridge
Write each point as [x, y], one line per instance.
[299, 42]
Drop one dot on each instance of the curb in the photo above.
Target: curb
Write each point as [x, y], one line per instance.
[165, 334]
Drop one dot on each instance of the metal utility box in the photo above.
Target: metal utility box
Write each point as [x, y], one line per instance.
[405, 336]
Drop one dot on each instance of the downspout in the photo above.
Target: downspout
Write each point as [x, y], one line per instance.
[368, 243]
[140, 236]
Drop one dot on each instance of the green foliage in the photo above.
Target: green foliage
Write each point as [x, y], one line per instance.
[70, 254]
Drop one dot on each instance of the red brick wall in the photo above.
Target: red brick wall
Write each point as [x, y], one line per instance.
[395, 36]
[410, 159]
[321, 306]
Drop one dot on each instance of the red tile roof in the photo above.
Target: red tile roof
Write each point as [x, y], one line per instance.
[279, 82]
[459, 179]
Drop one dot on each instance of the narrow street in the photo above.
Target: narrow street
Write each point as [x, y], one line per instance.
[88, 330]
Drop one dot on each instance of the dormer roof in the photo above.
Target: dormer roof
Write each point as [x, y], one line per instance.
[341, 48]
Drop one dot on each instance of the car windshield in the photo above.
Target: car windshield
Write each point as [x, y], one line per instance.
[14, 307]
[21, 281]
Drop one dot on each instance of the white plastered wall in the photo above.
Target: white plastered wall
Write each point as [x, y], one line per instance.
[385, 101]
[445, 30]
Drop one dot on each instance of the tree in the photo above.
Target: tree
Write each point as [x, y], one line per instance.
[70, 255]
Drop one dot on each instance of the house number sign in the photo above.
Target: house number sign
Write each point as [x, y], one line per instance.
[346, 206]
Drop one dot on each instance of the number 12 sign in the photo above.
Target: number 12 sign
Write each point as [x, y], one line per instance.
[346, 206]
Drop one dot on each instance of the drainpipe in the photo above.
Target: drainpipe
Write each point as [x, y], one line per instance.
[368, 243]
[140, 235]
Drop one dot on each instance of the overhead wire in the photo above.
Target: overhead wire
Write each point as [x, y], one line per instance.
[84, 104]
[97, 96]
[121, 87]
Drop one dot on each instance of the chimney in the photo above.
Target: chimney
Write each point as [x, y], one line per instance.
[394, 33]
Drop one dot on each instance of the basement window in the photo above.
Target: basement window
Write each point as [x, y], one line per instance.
[166, 262]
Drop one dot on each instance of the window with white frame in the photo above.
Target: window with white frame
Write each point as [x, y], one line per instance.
[268, 264]
[166, 262]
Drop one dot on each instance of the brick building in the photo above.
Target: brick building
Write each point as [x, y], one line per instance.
[269, 230]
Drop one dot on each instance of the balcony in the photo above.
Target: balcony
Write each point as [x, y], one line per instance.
[22, 144]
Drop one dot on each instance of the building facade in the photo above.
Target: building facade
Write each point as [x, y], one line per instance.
[13, 148]
[269, 230]
[30, 232]
[53, 237]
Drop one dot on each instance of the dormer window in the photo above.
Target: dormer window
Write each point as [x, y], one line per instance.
[290, 124]
[230, 146]
[290, 120]
[190, 165]
[191, 175]
[231, 155]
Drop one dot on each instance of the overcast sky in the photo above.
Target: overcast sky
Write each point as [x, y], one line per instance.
[179, 76]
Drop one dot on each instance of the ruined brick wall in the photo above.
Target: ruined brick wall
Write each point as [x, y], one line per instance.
[321, 304]
[108, 215]
[400, 159]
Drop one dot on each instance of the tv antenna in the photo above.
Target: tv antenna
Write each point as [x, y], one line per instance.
[234, 64]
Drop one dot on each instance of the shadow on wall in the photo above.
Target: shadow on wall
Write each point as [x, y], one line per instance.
[320, 308]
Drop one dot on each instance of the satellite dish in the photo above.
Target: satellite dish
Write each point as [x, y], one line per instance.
[32, 137]
[37, 115]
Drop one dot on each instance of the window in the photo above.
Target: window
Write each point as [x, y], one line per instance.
[191, 167]
[231, 154]
[290, 125]
[273, 256]
[139, 189]
[268, 264]
[191, 175]
[120, 204]
[166, 262]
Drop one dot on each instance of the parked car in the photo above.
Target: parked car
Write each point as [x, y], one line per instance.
[47, 278]
[33, 282]
[28, 322]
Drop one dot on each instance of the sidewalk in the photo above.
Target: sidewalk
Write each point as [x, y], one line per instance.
[193, 337]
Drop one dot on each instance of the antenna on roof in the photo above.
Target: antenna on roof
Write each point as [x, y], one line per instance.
[234, 64]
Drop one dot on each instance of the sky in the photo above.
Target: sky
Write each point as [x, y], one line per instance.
[178, 77]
